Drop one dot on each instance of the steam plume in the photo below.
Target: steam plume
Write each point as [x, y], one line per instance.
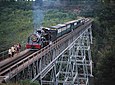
[37, 14]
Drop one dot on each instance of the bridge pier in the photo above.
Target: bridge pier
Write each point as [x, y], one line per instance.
[74, 64]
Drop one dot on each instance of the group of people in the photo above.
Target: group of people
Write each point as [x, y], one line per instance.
[14, 49]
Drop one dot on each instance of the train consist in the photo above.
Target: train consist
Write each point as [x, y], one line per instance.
[45, 36]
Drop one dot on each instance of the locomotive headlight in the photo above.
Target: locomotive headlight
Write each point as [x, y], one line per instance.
[34, 38]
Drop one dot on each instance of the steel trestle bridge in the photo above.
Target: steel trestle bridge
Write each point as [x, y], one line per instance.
[67, 61]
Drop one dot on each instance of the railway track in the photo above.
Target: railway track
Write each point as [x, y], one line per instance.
[12, 68]
[7, 65]
[11, 65]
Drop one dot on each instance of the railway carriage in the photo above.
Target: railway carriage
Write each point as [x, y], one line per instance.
[72, 25]
[75, 24]
[60, 29]
[68, 26]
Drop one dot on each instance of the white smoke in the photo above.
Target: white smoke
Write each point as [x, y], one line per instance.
[38, 12]
[38, 15]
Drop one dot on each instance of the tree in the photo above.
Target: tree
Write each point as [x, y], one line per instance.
[105, 41]
[106, 69]
[107, 1]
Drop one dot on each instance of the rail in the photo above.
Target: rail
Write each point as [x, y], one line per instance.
[4, 54]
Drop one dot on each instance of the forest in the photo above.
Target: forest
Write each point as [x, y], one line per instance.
[16, 23]
[104, 45]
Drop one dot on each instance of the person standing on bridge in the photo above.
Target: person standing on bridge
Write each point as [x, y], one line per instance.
[10, 53]
[13, 50]
[18, 47]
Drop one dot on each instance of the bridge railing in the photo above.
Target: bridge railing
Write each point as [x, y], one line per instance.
[4, 54]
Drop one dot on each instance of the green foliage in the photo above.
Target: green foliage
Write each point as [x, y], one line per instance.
[15, 26]
[54, 17]
[16, 23]
[106, 69]
[104, 45]
[28, 82]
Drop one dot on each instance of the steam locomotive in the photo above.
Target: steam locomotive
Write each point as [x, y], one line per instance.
[44, 36]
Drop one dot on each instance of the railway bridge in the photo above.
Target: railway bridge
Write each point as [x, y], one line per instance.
[67, 61]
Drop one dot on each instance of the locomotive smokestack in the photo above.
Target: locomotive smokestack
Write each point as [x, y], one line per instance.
[37, 14]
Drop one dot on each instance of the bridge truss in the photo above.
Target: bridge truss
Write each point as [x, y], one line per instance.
[67, 61]
[73, 66]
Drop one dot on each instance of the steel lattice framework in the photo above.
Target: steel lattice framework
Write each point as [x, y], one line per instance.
[73, 66]
[67, 61]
